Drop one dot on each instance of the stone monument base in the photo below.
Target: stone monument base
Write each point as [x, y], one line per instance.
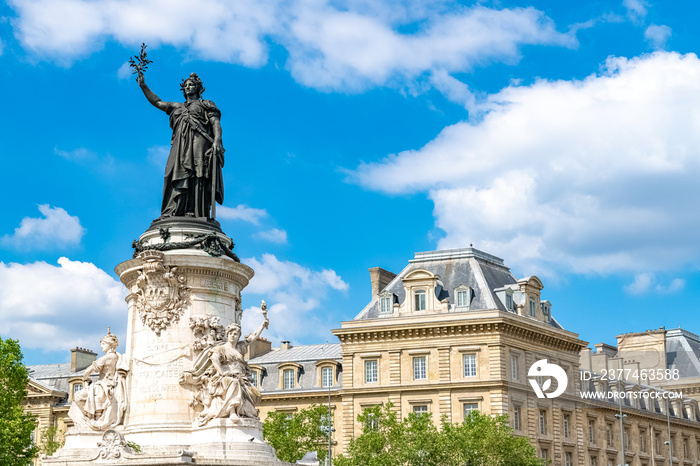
[222, 442]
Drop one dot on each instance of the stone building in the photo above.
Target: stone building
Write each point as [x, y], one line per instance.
[455, 331]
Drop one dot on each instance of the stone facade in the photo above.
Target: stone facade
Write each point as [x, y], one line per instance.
[456, 331]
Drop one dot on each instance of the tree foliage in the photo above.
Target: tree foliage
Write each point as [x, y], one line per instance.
[16, 426]
[51, 440]
[481, 440]
[292, 437]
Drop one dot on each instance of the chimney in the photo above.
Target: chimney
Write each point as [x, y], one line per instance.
[258, 347]
[285, 345]
[80, 358]
[380, 278]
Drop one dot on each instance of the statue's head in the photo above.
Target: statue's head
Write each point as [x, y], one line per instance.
[233, 330]
[110, 342]
[196, 81]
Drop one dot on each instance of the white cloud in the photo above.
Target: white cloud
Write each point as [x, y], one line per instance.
[124, 71]
[59, 307]
[273, 235]
[56, 230]
[657, 36]
[294, 294]
[158, 155]
[648, 282]
[587, 176]
[348, 45]
[636, 9]
[80, 154]
[334, 49]
[241, 212]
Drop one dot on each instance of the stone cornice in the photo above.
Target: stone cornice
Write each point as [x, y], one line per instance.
[496, 323]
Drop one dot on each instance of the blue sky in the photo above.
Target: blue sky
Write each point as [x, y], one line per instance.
[565, 140]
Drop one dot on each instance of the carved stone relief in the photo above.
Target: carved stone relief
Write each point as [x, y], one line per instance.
[162, 292]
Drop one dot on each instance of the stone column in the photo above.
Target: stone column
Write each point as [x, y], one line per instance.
[165, 290]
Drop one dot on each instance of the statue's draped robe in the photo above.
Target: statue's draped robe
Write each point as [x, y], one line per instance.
[187, 184]
[102, 404]
[224, 396]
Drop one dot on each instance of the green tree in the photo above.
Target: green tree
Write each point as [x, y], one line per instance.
[16, 426]
[51, 440]
[482, 440]
[292, 437]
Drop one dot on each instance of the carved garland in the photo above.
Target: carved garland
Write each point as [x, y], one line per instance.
[210, 243]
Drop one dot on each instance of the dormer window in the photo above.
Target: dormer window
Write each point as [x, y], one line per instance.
[386, 304]
[533, 308]
[463, 296]
[419, 300]
[509, 301]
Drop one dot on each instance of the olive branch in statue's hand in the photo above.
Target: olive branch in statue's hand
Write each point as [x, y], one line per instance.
[140, 62]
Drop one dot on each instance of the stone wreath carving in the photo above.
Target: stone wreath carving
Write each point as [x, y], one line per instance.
[113, 446]
[209, 243]
[162, 292]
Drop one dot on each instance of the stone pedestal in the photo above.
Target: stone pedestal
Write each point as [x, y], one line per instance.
[169, 286]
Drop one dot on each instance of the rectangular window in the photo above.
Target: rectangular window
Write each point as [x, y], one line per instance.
[533, 309]
[463, 298]
[254, 378]
[642, 441]
[608, 435]
[419, 368]
[327, 377]
[516, 417]
[509, 302]
[469, 361]
[514, 367]
[657, 442]
[371, 374]
[468, 408]
[420, 409]
[591, 431]
[566, 423]
[543, 422]
[420, 300]
[626, 440]
[289, 379]
[594, 461]
[77, 387]
[568, 459]
[386, 304]
[372, 422]
[544, 456]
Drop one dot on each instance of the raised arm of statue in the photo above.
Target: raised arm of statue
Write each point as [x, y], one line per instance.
[265, 324]
[150, 95]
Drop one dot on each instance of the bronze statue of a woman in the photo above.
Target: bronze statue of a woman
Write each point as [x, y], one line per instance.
[193, 170]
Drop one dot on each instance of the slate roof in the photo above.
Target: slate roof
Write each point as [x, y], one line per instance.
[306, 356]
[299, 354]
[683, 352]
[53, 376]
[481, 271]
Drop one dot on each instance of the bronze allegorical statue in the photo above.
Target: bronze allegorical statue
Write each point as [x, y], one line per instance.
[193, 170]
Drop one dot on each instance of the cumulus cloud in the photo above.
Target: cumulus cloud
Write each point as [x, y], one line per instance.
[56, 230]
[59, 307]
[586, 176]
[657, 36]
[273, 235]
[648, 282]
[241, 212]
[346, 45]
[292, 292]
[636, 9]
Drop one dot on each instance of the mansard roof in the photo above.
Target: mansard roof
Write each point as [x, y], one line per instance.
[482, 272]
[683, 352]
